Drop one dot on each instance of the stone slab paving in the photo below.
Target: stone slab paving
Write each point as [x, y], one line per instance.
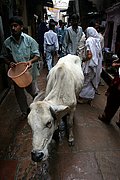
[8, 169]
[95, 155]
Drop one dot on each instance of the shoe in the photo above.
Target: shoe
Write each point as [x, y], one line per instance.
[118, 124]
[84, 101]
[102, 118]
[96, 92]
[80, 101]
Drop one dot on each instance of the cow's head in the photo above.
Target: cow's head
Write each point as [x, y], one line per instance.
[43, 119]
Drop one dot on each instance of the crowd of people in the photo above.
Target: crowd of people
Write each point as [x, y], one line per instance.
[55, 41]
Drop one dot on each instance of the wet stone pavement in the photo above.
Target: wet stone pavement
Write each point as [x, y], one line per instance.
[95, 155]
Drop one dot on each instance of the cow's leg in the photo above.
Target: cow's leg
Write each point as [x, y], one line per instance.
[70, 128]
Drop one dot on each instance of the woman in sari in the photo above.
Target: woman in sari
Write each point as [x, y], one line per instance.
[92, 66]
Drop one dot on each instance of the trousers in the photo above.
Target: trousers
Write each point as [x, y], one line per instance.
[50, 56]
[21, 95]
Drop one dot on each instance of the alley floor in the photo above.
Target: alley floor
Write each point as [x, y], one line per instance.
[95, 155]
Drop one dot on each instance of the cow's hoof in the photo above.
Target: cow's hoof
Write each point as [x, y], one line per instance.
[71, 143]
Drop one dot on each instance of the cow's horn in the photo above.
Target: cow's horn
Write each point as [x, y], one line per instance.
[53, 112]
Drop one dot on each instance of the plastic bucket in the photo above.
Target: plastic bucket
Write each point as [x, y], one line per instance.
[20, 75]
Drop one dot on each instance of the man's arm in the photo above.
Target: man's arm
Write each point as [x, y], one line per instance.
[33, 60]
[35, 55]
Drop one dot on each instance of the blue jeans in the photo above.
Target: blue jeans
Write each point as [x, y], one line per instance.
[50, 56]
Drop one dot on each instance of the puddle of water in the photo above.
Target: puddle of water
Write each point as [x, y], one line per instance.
[46, 170]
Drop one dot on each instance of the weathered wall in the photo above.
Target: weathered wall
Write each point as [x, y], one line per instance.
[113, 15]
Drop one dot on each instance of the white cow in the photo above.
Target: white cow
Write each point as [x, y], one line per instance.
[65, 81]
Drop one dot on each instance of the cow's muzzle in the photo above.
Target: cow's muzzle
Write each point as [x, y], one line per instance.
[37, 156]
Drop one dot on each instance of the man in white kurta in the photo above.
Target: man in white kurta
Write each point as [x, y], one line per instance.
[72, 36]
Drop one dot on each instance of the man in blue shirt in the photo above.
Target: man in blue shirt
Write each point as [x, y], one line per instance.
[20, 47]
[61, 34]
[51, 45]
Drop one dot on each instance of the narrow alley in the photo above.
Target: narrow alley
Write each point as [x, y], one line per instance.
[96, 154]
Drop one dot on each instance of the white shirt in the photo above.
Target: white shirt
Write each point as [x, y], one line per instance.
[50, 38]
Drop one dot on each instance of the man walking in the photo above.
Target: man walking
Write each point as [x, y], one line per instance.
[72, 36]
[20, 47]
[50, 45]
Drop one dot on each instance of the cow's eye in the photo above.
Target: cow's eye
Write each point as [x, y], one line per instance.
[49, 124]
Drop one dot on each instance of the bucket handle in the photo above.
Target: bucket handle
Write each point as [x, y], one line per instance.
[19, 74]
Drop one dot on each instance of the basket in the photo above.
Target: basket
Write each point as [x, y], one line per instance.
[20, 75]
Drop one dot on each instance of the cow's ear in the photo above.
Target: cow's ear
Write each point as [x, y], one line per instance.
[59, 111]
[40, 96]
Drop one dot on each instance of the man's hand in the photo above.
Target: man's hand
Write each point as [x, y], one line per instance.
[12, 64]
[29, 64]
